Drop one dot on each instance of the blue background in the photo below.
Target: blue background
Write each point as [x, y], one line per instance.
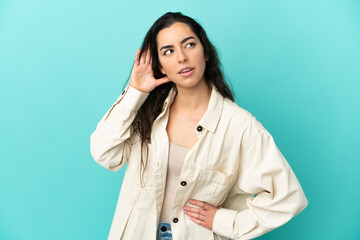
[295, 65]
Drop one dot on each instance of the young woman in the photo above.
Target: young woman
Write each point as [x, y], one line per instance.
[198, 165]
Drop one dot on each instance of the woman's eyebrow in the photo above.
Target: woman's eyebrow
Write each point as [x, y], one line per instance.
[182, 41]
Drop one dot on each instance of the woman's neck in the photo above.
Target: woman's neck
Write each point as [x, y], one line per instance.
[195, 99]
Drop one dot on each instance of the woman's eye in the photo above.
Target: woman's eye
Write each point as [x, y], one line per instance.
[166, 51]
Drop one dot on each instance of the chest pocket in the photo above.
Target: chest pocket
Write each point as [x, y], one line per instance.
[213, 186]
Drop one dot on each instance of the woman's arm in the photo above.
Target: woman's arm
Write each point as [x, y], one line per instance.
[110, 142]
[265, 172]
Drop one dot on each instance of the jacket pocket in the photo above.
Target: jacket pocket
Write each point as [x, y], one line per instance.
[212, 186]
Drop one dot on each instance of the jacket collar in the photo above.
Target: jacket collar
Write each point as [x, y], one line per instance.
[212, 115]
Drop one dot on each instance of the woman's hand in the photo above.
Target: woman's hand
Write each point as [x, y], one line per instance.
[142, 76]
[204, 216]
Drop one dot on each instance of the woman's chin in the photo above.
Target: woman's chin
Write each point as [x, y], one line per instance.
[188, 83]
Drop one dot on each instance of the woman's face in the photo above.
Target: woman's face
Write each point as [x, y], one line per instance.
[178, 47]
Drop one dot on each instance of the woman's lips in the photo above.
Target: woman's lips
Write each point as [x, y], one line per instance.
[187, 74]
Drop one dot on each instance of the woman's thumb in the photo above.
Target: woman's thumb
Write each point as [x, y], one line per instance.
[162, 80]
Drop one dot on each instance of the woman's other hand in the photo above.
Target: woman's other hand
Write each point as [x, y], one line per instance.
[204, 216]
[142, 76]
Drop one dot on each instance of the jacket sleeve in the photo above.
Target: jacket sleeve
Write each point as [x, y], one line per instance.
[263, 171]
[110, 142]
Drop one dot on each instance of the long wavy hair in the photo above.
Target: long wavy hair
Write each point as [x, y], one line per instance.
[152, 106]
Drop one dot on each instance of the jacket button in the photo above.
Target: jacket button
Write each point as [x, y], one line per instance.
[163, 228]
[199, 128]
[183, 183]
[175, 220]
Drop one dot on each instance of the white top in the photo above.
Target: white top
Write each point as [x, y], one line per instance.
[177, 155]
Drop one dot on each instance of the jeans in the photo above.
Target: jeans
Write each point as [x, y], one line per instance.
[164, 231]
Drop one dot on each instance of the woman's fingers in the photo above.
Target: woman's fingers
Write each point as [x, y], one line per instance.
[137, 57]
[142, 58]
[145, 57]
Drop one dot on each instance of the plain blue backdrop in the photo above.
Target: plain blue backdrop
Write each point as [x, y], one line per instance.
[295, 65]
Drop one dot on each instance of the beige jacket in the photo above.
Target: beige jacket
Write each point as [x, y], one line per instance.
[234, 159]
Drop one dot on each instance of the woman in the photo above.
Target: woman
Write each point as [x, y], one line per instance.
[199, 166]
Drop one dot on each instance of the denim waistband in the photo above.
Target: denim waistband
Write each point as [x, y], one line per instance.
[164, 231]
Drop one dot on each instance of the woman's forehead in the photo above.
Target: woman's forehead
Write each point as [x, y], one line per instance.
[174, 34]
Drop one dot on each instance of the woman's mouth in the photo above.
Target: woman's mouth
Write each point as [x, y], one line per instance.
[187, 73]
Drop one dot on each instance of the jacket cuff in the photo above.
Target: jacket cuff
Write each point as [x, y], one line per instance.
[132, 99]
[223, 221]
[233, 224]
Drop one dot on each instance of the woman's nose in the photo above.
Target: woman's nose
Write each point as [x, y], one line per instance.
[182, 56]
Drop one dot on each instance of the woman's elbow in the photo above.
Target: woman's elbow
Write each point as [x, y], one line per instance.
[113, 158]
[302, 203]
